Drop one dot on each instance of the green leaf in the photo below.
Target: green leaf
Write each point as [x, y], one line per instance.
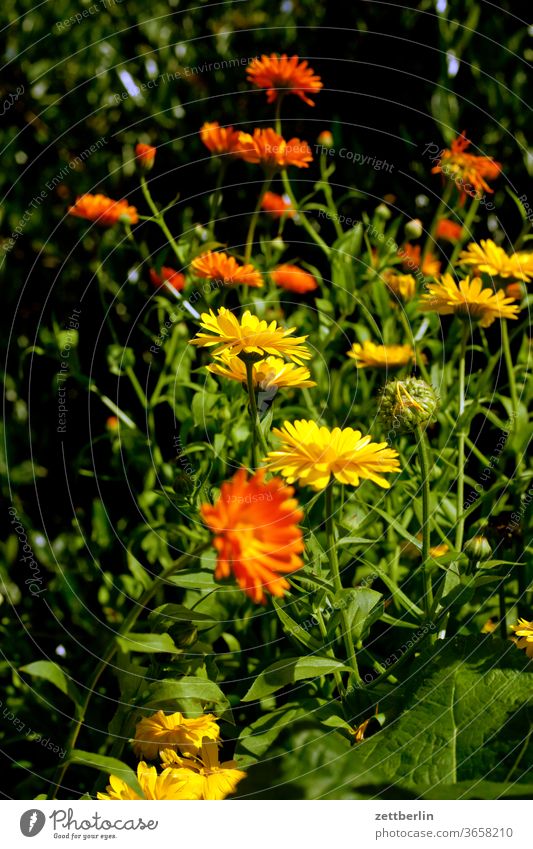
[52, 672]
[149, 643]
[189, 694]
[258, 737]
[398, 594]
[290, 670]
[111, 766]
[168, 615]
[294, 629]
[362, 607]
[466, 720]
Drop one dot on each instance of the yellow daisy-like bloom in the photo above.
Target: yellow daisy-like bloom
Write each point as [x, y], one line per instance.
[206, 777]
[250, 335]
[402, 285]
[269, 374]
[369, 355]
[489, 258]
[312, 454]
[467, 300]
[159, 731]
[167, 785]
[524, 630]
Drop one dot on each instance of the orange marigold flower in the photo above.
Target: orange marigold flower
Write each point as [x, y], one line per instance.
[219, 139]
[224, 269]
[277, 205]
[325, 138]
[448, 231]
[257, 537]
[168, 276]
[270, 150]
[516, 291]
[145, 156]
[103, 210]
[411, 256]
[293, 279]
[469, 172]
[281, 75]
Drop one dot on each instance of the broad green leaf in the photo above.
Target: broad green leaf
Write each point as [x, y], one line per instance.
[362, 607]
[257, 738]
[466, 720]
[187, 694]
[110, 766]
[174, 614]
[199, 579]
[54, 674]
[289, 671]
[150, 643]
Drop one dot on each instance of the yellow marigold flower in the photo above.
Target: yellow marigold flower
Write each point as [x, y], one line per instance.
[467, 300]
[281, 75]
[411, 551]
[159, 731]
[221, 268]
[524, 630]
[206, 777]
[469, 172]
[270, 150]
[250, 335]
[220, 140]
[402, 285]
[489, 627]
[168, 785]
[489, 258]
[369, 355]
[103, 210]
[271, 373]
[312, 454]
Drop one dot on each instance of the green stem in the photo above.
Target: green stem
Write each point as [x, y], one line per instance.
[326, 189]
[301, 215]
[257, 433]
[424, 470]
[442, 207]
[510, 372]
[503, 611]
[254, 219]
[215, 200]
[461, 441]
[466, 232]
[159, 218]
[329, 651]
[128, 623]
[337, 583]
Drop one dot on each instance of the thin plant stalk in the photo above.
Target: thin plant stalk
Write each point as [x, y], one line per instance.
[254, 219]
[257, 434]
[461, 436]
[424, 470]
[337, 584]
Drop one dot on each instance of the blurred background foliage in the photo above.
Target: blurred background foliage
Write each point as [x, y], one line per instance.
[396, 77]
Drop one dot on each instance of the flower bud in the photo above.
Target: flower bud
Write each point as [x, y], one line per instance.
[414, 229]
[408, 404]
[325, 139]
[383, 211]
[478, 548]
[144, 157]
[183, 483]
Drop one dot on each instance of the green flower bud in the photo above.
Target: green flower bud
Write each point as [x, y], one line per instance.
[478, 548]
[383, 211]
[408, 404]
[414, 229]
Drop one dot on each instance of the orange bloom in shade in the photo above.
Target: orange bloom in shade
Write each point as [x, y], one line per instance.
[224, 269]
[145, 156]
[325, 138]
[277, 205]
[257, 537]
[270, 150]
[448, 231]
[293, 279]
[103, 210]
[281, 75]
[470, 173]
[220, 140]
[168, 275]
[412, 258]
